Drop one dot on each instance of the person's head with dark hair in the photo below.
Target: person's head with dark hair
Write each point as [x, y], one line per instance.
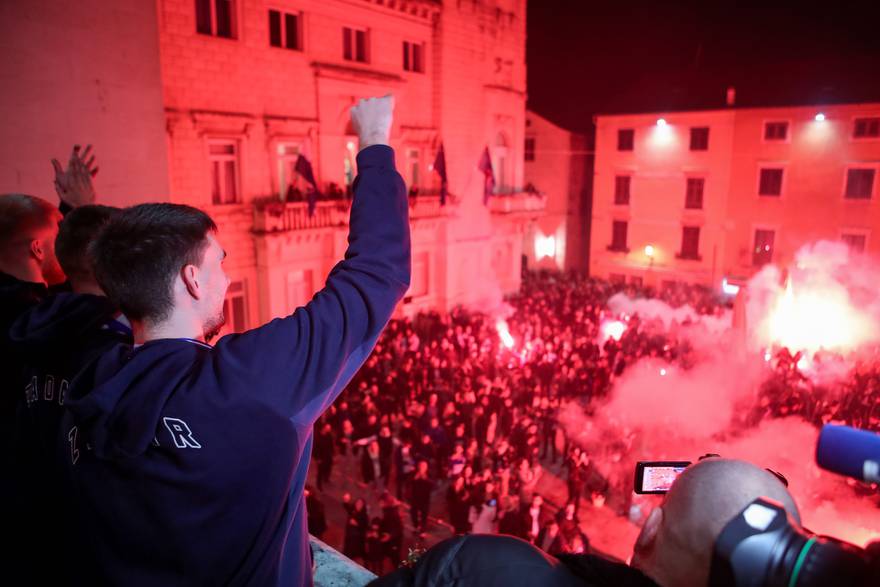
[162, 265]
[676, 541]
[28, 226]
[73, 245]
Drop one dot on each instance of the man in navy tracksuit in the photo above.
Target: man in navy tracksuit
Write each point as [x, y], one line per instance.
[188, 462]
[54, 340]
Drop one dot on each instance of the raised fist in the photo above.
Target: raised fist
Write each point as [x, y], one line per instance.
[372, 118]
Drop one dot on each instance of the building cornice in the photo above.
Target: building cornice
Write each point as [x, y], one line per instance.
[348, 72]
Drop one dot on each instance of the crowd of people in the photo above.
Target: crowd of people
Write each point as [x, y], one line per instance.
[444, 410]
[461, 407]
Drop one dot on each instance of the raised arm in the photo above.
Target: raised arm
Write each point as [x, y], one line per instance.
[301, 363]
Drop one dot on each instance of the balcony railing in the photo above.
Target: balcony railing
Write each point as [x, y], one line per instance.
[517, 202]
[427, 205]
[277, 216]
[333, 569]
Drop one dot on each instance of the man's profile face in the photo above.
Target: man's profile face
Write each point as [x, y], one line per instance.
[215, 283]
[49, 266]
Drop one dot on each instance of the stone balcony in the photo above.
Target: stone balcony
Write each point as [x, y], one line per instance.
[518, 202]
[333, 569]
[278, 216]
[281, 216]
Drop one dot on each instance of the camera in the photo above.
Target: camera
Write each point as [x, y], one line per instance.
[764, 547]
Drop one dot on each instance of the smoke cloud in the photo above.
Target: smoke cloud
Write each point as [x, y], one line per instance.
[828, 300]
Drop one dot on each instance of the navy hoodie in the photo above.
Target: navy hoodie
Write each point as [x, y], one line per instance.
[54, 341]
[188, 462]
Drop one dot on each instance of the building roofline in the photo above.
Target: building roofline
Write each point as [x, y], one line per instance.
[734, 109]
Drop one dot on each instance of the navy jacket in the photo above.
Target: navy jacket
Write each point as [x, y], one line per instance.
[189, 462]
[54, 340]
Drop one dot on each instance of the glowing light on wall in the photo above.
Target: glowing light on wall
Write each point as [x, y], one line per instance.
[504, 334]
[820, 117]
[662, 134]
[545, 246]
[728, 288]
[614, 329]
[649, 251]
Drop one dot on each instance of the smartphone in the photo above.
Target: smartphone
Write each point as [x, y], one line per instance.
[657, 476]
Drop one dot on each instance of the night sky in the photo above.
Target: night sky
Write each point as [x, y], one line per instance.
[590, 57]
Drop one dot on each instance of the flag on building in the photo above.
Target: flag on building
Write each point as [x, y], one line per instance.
[485, 166]
[440, 168]
[304, 168]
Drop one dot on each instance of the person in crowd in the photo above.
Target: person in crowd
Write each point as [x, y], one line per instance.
[422, 486]
[356, 526]
[483, 515]
[374, 555]
[392, 529]
[533, 515]
[550, 539]
[458, 498]
[317, 520]
[569, 523]
[176, 437]
[324, 451]
[371, 467]
[29, 272]
[511, 520]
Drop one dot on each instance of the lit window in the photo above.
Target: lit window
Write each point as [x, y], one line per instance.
[414, 57]
[700, 138]
[621, 190]
[770, 183]
[775, 131]
[216, 17]
[859, 183]
[354, 44]
[284, 30]
[618, 236]
[690, 242]
[223, 161]
[545, 246]
[763, 250]
[694, 196]
[530, 149]
[625, 139]
[866, 128]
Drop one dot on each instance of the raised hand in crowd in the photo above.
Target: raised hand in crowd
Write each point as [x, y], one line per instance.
[74, 185]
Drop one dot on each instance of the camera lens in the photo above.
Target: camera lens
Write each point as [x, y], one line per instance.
[826, 561]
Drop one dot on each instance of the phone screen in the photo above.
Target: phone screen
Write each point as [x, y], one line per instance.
[657, 476]
[660, 478]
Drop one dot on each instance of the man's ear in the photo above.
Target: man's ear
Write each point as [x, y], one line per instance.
[36, 249]
[648, 536]
[190, 276]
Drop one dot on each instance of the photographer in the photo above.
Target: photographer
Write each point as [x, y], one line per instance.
[674, 548]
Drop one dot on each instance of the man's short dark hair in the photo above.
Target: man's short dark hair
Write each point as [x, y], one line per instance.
[20, 215]
[78, 230]
[141, 251]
